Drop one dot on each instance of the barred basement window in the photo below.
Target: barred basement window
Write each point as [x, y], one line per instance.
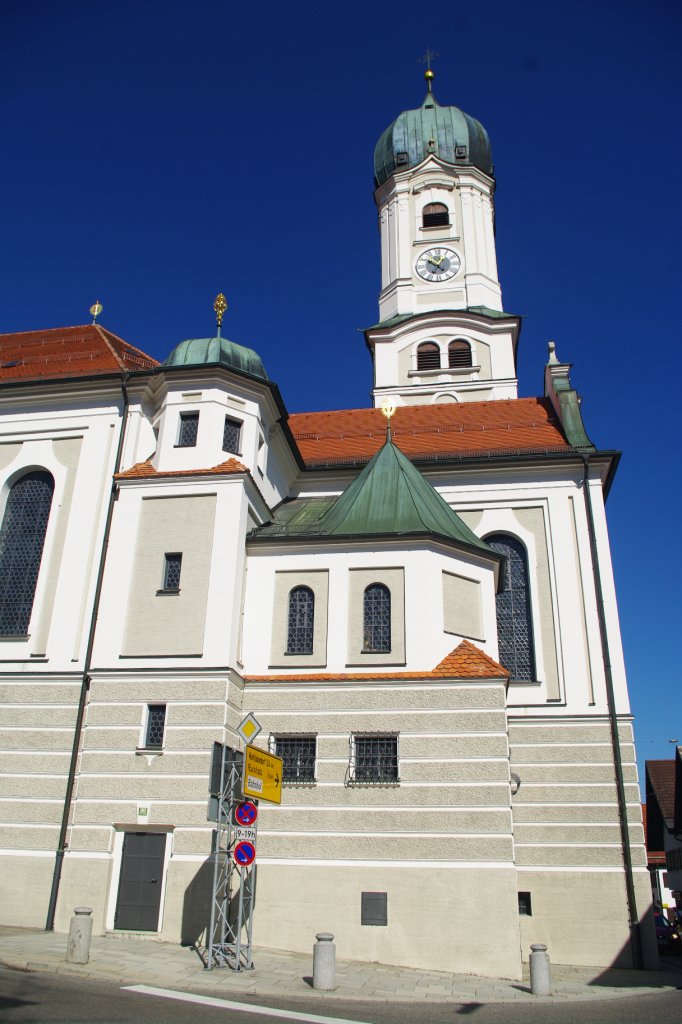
[171, 571]
[232, 435]
[428, 356]
[156, 724]
[459, 353]
[22, 539]
[514, 624]
[298, 757]
[377, 619]
[189, 429]
[435, 215]
[301, 621]
[374, 758]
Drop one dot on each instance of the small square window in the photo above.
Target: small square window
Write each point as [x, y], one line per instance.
[374, 759]
[156, 724]
[298, 757]
[525, 907]
[189, 428]
[171, 571]
[232, 435]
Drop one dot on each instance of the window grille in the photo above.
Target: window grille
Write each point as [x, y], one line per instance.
[298, 757]
[428, 356]
[232, 435]
[189, 429]
[22, 538]
[301, 621]
[514, 624]
[435, 215]
[156, 724]
[171, 571]
[459, 353]
[377, 619]
[374, 758]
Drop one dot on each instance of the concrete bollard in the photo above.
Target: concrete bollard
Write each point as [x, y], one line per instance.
[540, 977]
[324, 962]
[80, 933]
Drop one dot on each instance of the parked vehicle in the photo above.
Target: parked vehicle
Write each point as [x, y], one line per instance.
[667, 935]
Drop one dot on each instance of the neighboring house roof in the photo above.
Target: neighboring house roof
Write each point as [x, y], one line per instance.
[661, 776]
[466, 661]
[444, 430]
[67, 352]
[145, 471]
[654, 858]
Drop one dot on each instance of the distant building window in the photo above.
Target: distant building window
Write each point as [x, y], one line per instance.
[459, 353]
[156, 724]
[514, 623]
[189, 428]
[22, 538]
[232, 435]
[428, 356]
[172, 564]
[301, 621]
[377, 619]
[374, 758]
[435, 215]
[298, 757]
[525, 905]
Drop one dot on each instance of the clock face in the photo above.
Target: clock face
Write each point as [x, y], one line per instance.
[438, 264]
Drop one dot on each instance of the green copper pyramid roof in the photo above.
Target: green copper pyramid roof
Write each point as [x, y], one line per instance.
[203, 351]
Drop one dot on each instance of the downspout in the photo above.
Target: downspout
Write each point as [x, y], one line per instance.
[635, 933]
[85, 682]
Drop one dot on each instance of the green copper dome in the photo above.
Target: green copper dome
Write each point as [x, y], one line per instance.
[447, 132]
[201, 351]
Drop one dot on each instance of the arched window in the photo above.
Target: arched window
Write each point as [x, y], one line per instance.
[459, 353]
[301, 621]
[22, 538]
[377, 618]
[428, 356]
[514, 625]
[435, 215]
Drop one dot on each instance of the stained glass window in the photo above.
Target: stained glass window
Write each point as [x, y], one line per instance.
[172, 567]
[189, 429]
[156, 723]
[22, 538]
[514, 625]
[298, 757]
[301, 621]
[377, 619]
[232, 433]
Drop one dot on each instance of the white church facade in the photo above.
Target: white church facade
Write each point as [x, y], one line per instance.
[423, 621]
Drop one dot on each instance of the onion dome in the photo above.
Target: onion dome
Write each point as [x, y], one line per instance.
[446, 132]
[217, 350]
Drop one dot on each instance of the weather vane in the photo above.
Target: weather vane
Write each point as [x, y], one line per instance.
[95, 310]
[426, 58]
[220, 305]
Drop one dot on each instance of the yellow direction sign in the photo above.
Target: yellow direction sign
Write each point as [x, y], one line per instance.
[262, 775]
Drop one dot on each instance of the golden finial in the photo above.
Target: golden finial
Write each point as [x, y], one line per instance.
[426, 59]
[388, 408]
[220, 305]
[95, 310]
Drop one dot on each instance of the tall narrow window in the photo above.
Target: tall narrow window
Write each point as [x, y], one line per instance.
[232, 435]
[377, 618]
[156, 724]
[435, 215]
[514, 624]
[22, 538]
[301, 621]
[172, 566]
[189, 429]
[428, 356]
[459, 353]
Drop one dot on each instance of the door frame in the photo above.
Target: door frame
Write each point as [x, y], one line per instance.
[117, 862]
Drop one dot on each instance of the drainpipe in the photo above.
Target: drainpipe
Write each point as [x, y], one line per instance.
[85, 682]
[635, 934]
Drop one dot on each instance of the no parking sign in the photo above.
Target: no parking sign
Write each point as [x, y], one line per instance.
[244, 853]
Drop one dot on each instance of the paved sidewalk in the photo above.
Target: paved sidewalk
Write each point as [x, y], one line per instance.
[288, 975]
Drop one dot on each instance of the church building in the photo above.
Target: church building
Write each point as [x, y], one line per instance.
[415, 600]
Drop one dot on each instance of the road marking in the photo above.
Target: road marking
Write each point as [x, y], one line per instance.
[228, 1004]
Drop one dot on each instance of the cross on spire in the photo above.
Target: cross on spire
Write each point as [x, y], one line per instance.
[426, 58]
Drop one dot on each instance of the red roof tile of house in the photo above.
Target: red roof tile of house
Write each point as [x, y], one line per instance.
[662, 777]
[67, 352]
[452, 429]
[145, 471]
[465, 662]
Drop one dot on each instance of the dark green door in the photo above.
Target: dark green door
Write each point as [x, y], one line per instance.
[139, 890]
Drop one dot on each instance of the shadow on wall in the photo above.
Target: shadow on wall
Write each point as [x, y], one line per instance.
[614, 977]
[196, 907]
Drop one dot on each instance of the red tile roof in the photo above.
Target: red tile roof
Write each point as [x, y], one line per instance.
[452, 429]
[465, 662]
[662, 778]
[145, 471]
[67, 352]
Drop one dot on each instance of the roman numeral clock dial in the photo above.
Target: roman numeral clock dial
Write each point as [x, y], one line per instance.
[438, 264]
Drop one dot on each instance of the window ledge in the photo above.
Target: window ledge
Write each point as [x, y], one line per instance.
[386, 783]
[169, 590]
[185, 445]
[525, 682]
[236, 455]
[453, 371]
[300, 783]
[14, 638]
[149, 750]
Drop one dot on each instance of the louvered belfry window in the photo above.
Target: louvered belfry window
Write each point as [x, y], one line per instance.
[514, 625]
[377, 619]
[22, 538]
[435, 215]
[301, 621]
[459, 353]
[428, 356]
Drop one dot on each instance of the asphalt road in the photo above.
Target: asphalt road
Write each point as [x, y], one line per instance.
[28, 998]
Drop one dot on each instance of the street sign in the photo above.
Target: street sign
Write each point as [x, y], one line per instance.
[244, 853]
[246, 813]
[262, 775]
[242, 832]
[249, 728]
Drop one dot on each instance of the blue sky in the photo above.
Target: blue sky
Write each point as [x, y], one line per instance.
[158, 152]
